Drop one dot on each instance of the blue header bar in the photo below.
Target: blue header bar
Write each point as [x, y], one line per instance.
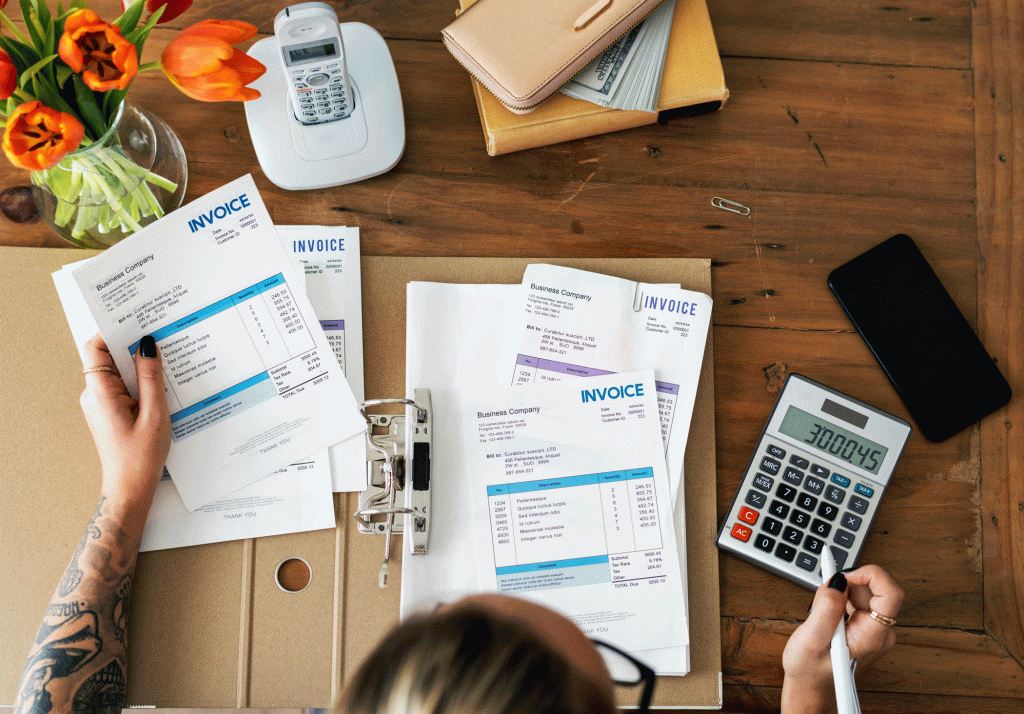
[551, 565]
[569, 481]
[214, 308]
[219, 396]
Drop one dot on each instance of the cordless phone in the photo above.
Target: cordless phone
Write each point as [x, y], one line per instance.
[313, 56]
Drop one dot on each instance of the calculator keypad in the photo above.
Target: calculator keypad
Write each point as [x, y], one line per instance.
[801, 506]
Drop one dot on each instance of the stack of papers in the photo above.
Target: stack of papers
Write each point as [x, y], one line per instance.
[564, 483]
[627, 75]
[254, 375]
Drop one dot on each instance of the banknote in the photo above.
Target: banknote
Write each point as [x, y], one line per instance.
[628, 74]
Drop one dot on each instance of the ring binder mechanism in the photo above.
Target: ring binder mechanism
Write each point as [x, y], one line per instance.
[397, 465]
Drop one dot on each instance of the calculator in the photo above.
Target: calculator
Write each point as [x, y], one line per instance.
[816, 479]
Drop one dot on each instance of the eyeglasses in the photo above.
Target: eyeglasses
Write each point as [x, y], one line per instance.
[627, 671]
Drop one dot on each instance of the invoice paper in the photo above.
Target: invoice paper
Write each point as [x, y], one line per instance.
[251, 381]
[329, 257]
[456, 337]
[571, 505]
[582, 324]
[295, 499]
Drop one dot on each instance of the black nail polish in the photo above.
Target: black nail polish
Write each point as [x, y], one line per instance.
[147, 346]
[838, 582]
[809, 607]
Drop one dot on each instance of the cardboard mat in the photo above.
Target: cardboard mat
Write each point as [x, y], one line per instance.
[210, 627]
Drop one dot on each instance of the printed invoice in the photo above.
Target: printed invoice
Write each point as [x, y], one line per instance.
[329, 258]
[571, 506]
[296, 498]
[581, 324]
[252, 383]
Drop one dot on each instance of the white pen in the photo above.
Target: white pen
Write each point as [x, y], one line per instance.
[847, 701]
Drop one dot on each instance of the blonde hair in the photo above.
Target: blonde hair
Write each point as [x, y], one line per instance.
[469, 660]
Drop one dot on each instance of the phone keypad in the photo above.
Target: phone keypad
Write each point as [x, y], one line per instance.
[321, 93]
[793, 508]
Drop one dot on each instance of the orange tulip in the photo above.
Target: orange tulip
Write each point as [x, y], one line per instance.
[202, 63]
[96, 49]
[8, 75]
[37, 137]
[172, 8]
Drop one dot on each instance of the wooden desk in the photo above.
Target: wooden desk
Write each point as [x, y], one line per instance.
[847, 123]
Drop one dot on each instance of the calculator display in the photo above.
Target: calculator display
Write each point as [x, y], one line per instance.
[833, 440]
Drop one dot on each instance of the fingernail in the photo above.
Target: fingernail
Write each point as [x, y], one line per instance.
[848, 570]
[809, 607]
[838, 582]
[147, 346]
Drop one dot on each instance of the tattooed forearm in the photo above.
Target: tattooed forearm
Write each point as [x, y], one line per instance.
[77, 663]
[63, 609]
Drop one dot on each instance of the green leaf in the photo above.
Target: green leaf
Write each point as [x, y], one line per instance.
[13, 28]
[111, 101]
[50, 47]
[79, 4]
[43, 12]
[63, 74]
[130, 19]
[21, 54]
[32, 71]
[138, 36]
[48, 96]
[88, 110]
[30, 17]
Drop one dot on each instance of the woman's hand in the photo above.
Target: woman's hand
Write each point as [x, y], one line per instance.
[808, 685]
[132, 437]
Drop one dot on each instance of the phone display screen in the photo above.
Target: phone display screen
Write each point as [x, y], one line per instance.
[307, 53]
[833, 440]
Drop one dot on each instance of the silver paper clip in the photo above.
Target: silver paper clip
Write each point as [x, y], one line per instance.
[727, 205]
[397, 459]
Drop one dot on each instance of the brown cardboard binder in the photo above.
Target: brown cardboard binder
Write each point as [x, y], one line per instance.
[693, 76]
[210, 627]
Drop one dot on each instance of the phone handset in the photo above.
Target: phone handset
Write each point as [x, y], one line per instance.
[313, 56]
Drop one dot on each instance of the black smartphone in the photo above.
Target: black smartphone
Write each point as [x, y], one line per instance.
[927, 348]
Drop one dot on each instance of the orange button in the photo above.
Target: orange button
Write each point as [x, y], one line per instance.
[741, 532]
[749, 515]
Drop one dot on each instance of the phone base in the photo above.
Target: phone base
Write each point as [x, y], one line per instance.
[367, 143]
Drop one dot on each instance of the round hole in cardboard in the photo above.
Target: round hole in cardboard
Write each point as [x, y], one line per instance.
[293, 575]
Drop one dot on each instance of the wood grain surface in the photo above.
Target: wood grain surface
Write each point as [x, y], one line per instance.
[848, 122]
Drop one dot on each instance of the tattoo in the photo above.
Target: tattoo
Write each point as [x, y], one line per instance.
[122, 609]
[73, 575]
[102, 693]
[77, 663]
[63, 647]
[63, 609]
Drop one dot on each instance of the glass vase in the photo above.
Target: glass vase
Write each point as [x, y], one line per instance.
[129, 177]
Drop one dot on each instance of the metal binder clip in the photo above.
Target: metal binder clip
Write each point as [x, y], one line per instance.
[397, 459]
[727, 205]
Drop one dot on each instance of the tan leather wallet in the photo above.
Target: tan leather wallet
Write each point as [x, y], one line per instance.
[524, 50]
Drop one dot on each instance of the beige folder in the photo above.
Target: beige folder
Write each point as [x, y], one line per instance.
[210, 627]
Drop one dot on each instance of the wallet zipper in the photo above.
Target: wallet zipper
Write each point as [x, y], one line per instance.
[518, 110]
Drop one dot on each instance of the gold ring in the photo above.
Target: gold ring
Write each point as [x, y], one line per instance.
[889, 621]
[103, 368]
